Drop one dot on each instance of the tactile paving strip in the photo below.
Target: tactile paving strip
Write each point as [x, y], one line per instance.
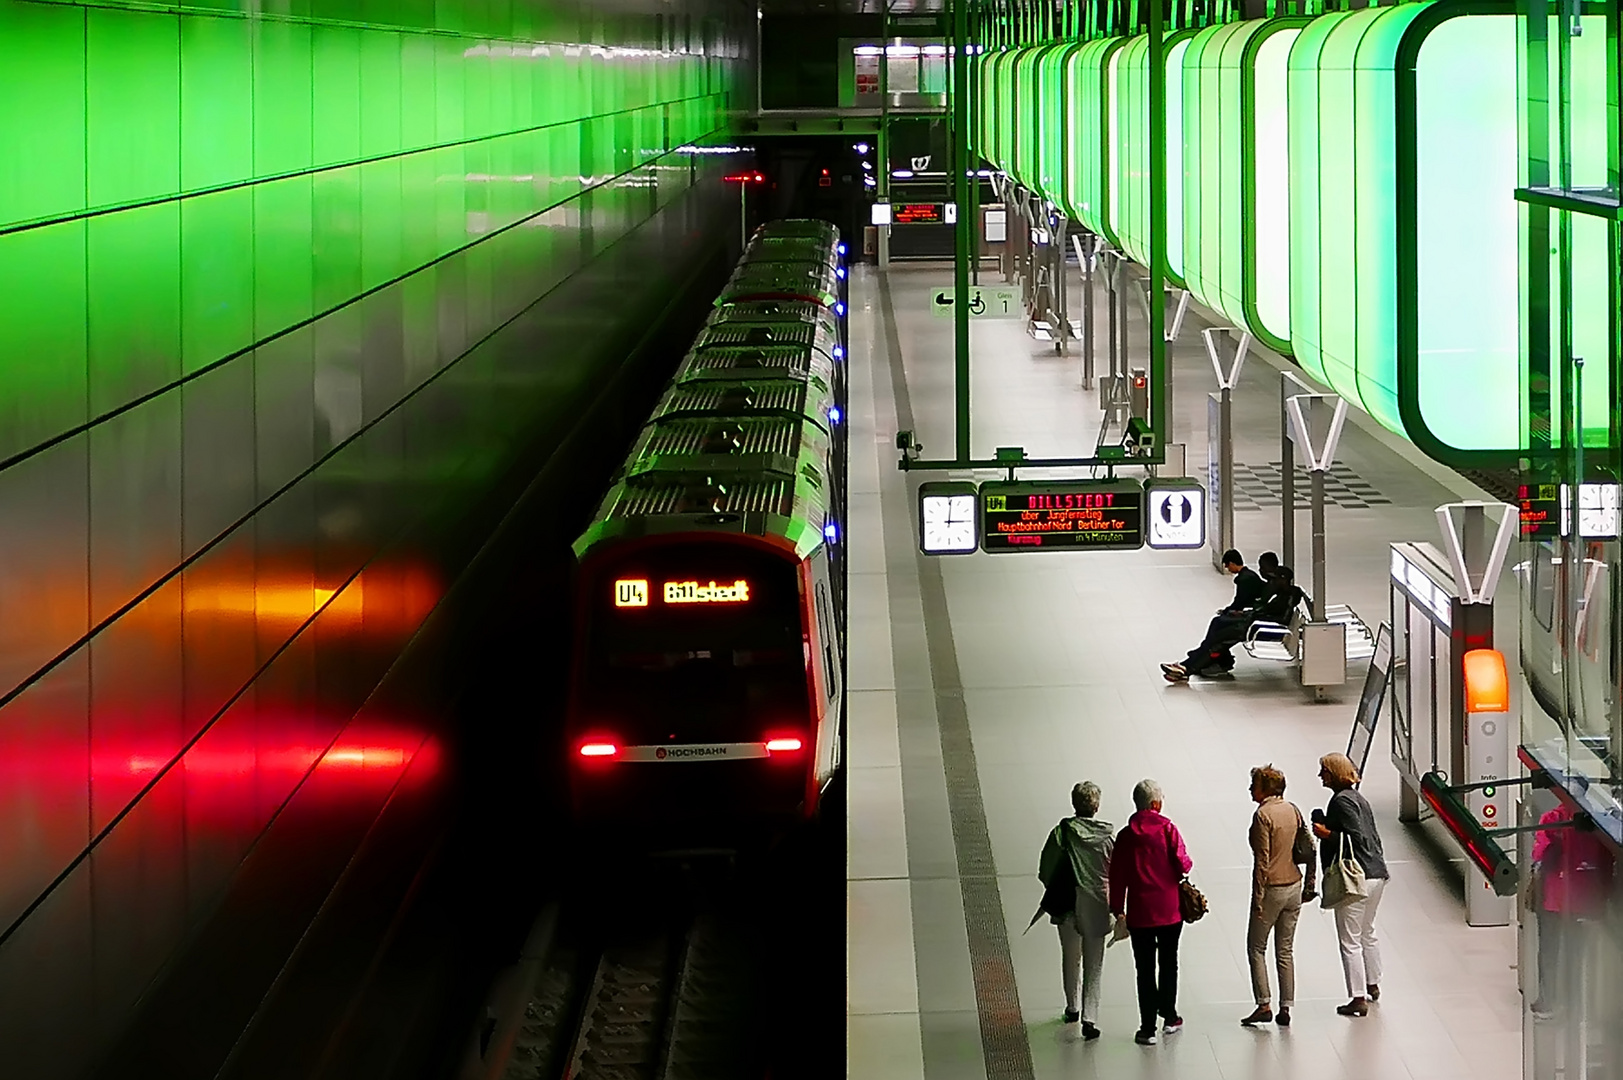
[1256, 487]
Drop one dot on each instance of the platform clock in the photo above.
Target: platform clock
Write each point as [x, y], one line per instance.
[948, 521]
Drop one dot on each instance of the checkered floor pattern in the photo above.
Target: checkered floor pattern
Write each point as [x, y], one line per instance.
[1256, 487]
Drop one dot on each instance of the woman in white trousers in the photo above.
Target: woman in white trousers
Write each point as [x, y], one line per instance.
[1348, 823]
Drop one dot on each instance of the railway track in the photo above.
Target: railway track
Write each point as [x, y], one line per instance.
[659, 1002]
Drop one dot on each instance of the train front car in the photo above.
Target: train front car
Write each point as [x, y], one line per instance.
[707, 680]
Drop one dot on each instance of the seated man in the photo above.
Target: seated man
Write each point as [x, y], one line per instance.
[1228, 628]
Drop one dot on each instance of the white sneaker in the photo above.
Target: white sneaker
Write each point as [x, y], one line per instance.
[1173, 1026]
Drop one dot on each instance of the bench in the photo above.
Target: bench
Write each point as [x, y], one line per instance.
[1281, 642]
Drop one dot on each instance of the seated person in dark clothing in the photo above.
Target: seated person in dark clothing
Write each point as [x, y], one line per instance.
[1282, 601]
[1228, 627]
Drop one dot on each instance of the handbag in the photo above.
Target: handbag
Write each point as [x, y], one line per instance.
[1191, 901]
[1344, 881]
[1302, 846]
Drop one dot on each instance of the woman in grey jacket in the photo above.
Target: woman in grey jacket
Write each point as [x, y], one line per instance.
[1349, 820]
[1081, 845]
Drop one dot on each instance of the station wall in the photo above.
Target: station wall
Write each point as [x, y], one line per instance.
[280, 293]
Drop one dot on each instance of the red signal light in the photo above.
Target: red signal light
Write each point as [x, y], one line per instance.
[599, 749]
[782, 746]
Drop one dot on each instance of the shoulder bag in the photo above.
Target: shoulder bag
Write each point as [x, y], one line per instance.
[1344, 881]
[1192, 904]
[1302, 847]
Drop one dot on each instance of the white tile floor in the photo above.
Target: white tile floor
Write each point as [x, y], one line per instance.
[1057, 655]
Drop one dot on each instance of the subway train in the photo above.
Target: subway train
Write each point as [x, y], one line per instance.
[708, 679]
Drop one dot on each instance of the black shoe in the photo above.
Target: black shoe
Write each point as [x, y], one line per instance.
[1284, 1018]
[1089, 1032]
[1374, 992]
[1072, 1016]
[1144, 1036]
[1262, 1014]
[1355, 1007]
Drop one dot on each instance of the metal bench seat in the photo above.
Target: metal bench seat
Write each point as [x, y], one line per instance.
[1281, 642]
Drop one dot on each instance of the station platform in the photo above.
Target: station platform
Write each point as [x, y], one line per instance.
[983, 687]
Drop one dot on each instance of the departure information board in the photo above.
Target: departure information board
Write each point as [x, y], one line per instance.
[928, 213]
[1062, 515]
[1539, 507]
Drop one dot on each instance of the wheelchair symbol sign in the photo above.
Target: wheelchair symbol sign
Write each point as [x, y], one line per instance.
[984, 303]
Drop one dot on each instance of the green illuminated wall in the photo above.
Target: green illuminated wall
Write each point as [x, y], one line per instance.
[1212, 161]
[199, 183]
[1087, 146]
[1266, 186]
[1401, 211]
[1051, 132]
[1343, 186]
[286, 305]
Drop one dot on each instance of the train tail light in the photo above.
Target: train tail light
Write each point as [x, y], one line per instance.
[598, 750]
[785, 745]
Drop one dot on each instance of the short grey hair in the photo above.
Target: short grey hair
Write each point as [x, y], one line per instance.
[1146, 792]
[1085, 798]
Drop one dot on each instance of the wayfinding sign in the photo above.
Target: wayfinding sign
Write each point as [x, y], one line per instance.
[1062, 515]
[994, 302]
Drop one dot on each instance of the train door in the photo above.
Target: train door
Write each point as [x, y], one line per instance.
[830, 709]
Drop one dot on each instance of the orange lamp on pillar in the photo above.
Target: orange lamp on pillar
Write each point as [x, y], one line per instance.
[1487, 760]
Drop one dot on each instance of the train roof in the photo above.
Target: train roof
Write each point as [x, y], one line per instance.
[809, 335]
[742, 440]
[812, 227]
[772, 311]
[789, 505]
[808, 399]
[786, 361]
[793, 280]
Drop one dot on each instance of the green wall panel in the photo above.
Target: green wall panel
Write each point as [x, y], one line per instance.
[1266, 189]
[280, 300]
[1087, 145]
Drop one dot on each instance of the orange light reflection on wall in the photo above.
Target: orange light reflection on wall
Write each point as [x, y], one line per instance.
[386, 601]
[299, 760]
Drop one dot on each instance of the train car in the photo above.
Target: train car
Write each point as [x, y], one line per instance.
[708, 676]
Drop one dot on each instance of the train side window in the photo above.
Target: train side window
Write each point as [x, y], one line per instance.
[1544, 584]
[825, 616]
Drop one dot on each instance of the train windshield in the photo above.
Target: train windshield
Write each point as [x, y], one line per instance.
[695, 642]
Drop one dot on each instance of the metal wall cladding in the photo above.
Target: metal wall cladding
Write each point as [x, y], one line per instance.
[279, 298]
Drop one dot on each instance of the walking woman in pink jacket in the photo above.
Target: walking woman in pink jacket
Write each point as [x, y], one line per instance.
[1148, 862]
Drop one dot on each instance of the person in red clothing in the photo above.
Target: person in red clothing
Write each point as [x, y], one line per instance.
[1148, 862]
[1573, 873]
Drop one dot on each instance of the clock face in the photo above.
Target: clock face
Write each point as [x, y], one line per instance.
[1597, 510]
[949, 523]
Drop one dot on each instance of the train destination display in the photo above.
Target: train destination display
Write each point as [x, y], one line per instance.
[1062, 515]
